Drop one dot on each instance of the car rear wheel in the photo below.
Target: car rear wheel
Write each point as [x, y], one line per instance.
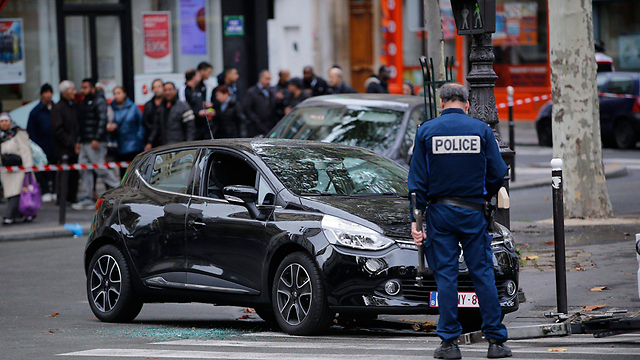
[109, 287]
[299, 302]
[624, 135]
[545, 137]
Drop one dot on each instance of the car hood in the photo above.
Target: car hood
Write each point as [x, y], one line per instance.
[390, 214]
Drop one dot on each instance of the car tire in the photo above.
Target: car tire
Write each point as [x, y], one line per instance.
[545, 136]
[109, 287]
[299, 303]
[624, 135]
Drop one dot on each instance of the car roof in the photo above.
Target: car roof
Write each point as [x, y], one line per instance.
[250, 144]
[384, 101]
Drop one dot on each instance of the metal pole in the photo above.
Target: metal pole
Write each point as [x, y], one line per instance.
[558, 235]
[64, 190]
[512, 128]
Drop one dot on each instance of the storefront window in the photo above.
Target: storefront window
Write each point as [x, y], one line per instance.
[619, 31]
[520, 43]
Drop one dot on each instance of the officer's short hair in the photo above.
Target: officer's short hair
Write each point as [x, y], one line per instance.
[453, 92]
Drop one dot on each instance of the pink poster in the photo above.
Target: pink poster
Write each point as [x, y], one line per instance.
[156, 35]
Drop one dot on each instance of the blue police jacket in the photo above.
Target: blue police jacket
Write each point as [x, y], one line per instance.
[455, 155]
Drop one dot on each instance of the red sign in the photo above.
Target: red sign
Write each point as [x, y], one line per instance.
[156, 35]
[391, 54]
[5, 25]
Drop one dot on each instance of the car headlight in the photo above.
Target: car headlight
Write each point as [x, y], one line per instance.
[507, 237]
[347, 233]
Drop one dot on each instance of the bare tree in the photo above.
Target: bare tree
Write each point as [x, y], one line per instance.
[576, 117]
[435, 45]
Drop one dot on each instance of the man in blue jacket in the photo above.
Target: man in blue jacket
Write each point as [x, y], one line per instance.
[456, 166]
[39, 129]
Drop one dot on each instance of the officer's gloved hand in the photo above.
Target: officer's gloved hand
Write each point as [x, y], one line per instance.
[418, 236]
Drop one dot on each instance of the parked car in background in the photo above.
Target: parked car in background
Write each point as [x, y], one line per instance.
[619, 97]
[385, 124]
[298, 230]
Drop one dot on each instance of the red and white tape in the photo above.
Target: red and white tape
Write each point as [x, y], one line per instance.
[526, 101]
[109, 165]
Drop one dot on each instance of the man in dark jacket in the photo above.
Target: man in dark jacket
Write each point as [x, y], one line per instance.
[229, 78]
[297, 94]
[39, 129]
[92, 127]
[283, 95]
[260, 105]
[379, 84]
[229, 121]
[314, 85]
[189, 94]
[64, 126]
[337, 84]
[174, 119]
[149, 113]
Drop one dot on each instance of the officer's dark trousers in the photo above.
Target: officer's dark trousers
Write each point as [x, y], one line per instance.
[446, 226]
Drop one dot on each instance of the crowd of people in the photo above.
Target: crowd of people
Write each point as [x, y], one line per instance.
[93, 130]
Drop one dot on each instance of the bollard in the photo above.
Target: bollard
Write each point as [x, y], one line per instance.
[558, 235]
[638, 257]
[63, 193]
[512, 129]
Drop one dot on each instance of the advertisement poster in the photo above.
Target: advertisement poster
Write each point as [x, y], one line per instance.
[516, 24]
[156, 37]
[391, 37]
[448, 22]
[12, 67]
[629, 50]
[193, 35]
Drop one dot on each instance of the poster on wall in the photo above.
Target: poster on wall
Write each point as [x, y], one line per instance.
[516, 23]
[629, 50]
[12, 66]
[193, 35]
[448, 23]
[156, 37]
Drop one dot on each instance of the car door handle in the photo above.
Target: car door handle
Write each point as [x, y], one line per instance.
[197, 224]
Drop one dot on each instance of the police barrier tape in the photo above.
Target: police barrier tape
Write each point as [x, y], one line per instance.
[548, 97]
[38, 168]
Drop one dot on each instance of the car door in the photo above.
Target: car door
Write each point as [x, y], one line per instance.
[153, 217]
[226, 246]
[613, 106]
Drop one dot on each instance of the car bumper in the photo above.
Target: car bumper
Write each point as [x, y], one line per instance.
[355, 280]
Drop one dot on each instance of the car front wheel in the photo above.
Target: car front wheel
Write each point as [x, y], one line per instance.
[109, 287]
[545, 136]
[624, 135]
[298, 297]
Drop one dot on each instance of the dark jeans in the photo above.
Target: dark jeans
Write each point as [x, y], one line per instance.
[72, 186]
[125, 157]
[47, 181]
[12, 212]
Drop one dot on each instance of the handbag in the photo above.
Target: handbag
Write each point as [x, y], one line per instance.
[30, 199]
[11, 160]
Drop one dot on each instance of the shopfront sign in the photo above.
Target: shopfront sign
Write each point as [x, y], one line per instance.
[474, 17]
[12, 66]
[193, 34]
[156, 37]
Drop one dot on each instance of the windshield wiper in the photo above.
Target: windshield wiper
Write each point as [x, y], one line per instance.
[379, 194]
[318, 194]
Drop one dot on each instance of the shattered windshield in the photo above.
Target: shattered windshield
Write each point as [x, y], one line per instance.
[314, 170]
[369, 128]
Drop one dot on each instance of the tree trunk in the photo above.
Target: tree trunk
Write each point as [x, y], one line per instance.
[576, 116]
[435, 44]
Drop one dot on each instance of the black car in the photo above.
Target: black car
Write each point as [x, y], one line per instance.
[298, 230]
[383, 123]
[619, 97]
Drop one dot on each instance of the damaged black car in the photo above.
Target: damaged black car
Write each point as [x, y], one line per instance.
[297, 230]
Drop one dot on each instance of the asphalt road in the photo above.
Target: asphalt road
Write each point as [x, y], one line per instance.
[44, 313]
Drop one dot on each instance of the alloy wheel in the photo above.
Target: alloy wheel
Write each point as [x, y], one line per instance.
[106, 283]
[294, 294]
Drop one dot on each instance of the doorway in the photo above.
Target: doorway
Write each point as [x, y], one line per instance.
[361, 42]
[95, 41]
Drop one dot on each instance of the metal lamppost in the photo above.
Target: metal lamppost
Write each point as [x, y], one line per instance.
[478, 19]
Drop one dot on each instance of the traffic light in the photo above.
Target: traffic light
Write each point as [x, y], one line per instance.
[474, 17]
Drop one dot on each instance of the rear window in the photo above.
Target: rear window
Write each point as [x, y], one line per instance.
[620, 84]
[171, 171]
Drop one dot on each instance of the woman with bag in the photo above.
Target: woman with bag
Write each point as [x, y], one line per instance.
[16, 151]
[127, 127]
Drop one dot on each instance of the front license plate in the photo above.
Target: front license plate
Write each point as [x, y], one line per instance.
[465, 300]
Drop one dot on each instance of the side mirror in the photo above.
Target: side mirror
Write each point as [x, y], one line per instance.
[241, 194]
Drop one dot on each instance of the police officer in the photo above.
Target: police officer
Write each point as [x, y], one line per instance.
[456, 166]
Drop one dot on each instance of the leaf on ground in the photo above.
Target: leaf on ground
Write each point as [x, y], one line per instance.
[579, 268]
[557, 350]
[425, 326]
[531, 257]
[628, 273]
[249, 310]
[593, 307]
[599, 288]
[53, 315]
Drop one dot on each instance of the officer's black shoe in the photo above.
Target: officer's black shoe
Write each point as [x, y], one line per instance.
[498, 350]
[447, 350]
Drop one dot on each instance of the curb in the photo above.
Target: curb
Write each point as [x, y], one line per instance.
[55, 232]
[610, 172]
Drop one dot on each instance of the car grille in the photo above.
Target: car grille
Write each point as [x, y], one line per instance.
[412, 291]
